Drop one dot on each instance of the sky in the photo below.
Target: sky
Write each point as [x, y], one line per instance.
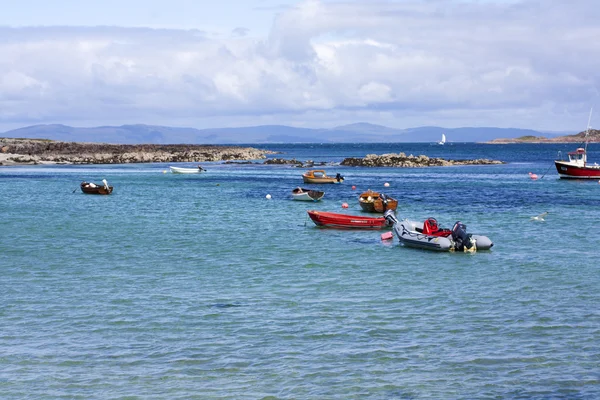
[532, 64]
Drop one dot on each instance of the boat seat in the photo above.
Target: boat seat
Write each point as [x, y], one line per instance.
[430, 226]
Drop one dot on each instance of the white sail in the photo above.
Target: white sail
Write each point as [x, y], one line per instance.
[443, 141]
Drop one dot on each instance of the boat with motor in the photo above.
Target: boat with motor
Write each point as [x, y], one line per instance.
[578, 167]
[92, 188]
[319, 176]
[376, 202]
[326, 219]
[430, 236]
[303, 194]
[180, 170]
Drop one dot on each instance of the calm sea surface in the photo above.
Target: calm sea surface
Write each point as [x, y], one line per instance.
[180, 287]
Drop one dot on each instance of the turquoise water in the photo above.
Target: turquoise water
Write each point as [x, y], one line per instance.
[199, 287]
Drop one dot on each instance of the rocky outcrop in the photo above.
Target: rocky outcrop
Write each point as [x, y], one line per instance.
[36, 151]
[295, 163]
[282, 161]
[401, 160]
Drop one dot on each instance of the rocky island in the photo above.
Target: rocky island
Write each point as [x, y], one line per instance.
[42, 151]
[401, 160]
[593, 136]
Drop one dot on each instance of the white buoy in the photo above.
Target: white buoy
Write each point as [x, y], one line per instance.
[268, 197]
[386, 184]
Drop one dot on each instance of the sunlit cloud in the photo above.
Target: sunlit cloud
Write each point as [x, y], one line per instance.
[405, 63]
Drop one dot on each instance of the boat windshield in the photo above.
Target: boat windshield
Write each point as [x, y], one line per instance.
[577, 156]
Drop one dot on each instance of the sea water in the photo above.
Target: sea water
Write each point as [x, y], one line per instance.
[198, 286]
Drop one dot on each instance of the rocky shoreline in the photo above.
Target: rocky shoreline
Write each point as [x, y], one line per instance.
[401, 160]
[41, 151]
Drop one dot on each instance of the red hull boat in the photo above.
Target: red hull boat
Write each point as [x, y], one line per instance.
[344, 221]
[577, 167]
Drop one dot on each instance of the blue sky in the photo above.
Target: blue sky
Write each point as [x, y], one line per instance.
[312, 63]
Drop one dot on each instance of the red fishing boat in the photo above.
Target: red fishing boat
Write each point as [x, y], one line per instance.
[344, 221]
[578, 167]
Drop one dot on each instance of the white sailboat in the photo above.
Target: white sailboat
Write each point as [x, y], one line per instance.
[443, 141]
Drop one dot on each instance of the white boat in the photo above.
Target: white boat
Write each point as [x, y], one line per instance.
[179, 170]
[303, 194]
[443, 141]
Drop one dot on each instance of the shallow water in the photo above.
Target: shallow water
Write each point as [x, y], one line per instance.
[199, 287]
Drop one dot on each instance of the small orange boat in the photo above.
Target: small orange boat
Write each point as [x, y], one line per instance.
[371, 201]
[319, 176]
[326, 219]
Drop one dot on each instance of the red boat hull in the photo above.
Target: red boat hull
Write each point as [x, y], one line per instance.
[569, 171]
[345, 221]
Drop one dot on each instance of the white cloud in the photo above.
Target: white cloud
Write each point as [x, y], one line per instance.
[405, 63]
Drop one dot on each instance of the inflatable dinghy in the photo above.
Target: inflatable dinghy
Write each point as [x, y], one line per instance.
[429, 236]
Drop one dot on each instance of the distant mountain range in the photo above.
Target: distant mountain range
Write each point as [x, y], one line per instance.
[354, 133]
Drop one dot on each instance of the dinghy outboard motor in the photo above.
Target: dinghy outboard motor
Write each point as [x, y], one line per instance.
[339, 177]
[461, 238]
[390, 217]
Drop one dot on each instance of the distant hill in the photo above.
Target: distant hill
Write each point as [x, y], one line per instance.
[353, 133]
[593, 136]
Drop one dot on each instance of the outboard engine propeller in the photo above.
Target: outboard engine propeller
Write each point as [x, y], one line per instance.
[390, 217]
[461, 237]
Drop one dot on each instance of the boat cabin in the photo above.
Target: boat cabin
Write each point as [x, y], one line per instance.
[578, 156]
[316, 173]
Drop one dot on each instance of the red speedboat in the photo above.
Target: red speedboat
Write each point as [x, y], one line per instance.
[577, 167]
[344, 221]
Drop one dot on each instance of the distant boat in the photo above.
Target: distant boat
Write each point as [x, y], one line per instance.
[578, 167]
[179, 170]
[319, 176]
[92, 188]
[443, 141]
[303, 194]
[375, 202]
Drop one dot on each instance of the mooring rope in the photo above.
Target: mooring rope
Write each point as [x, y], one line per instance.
[546, 171]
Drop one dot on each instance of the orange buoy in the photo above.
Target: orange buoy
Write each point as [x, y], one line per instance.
[533, 176]
[353, 187]
[344, 205]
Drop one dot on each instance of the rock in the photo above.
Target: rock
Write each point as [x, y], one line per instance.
[27, 151]
[282, 161]
[401, 160]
